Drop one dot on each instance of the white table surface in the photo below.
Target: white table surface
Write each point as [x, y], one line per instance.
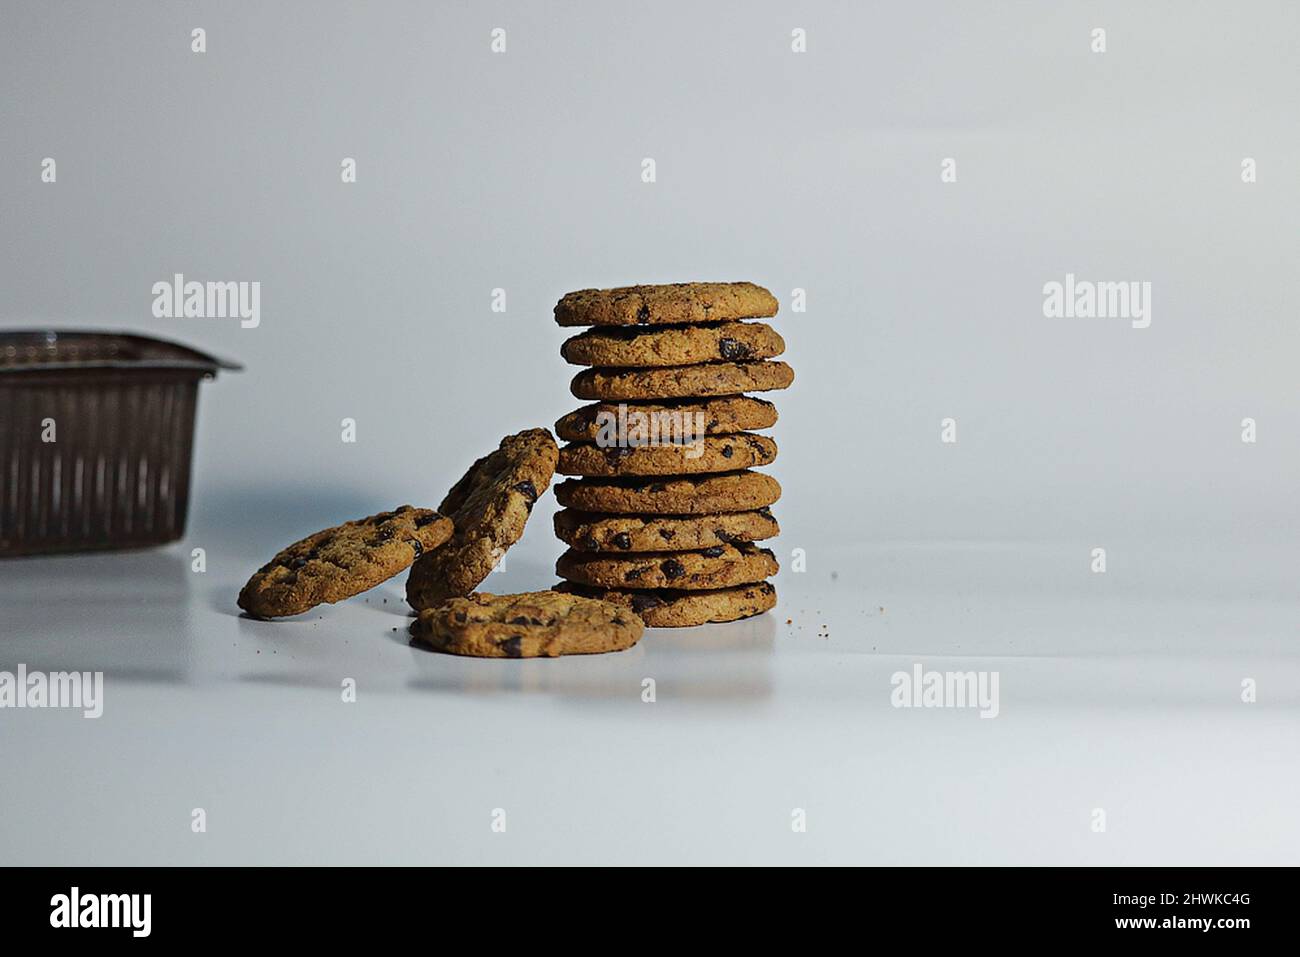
[1119, 692]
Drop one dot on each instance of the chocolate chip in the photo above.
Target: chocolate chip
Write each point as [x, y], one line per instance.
[658, 486]
[644, 602]
[590, 544]
[726, 451]
[519, 620]
[643, 314]
[731, 350]
[634, 575]
[416, 547]
[672, 569]
[424, 520]
[619, 621]
[713, 552]
[667, 534]
[528, 490]
[512, 646]
[622, 540]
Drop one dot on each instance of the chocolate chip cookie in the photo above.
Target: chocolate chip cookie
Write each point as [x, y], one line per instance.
[670, 382]
[597, 532]
[343, 561]
[714, 453]
[639, 421]
[666, 608]
[539, 624]
[489, 507]
[721, 566]
[688, 495]
[656, 305]
[673, 345]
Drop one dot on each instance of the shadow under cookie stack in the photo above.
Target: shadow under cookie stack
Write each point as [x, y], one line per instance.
[665, 509]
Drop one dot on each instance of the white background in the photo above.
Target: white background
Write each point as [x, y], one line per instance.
[818, 171]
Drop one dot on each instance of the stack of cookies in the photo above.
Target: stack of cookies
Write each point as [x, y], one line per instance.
[665, 511]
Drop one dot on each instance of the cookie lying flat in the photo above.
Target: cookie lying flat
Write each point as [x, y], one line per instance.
[665, 608]
[597, 532]
[540, 624]
[689, 495]
[343, 561]
[714, 453]
[602, 421]
[674, 303]
[489, 506]
[673, 345]
[721, 566]
[669, 382]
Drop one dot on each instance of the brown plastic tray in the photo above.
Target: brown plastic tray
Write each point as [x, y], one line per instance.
[117, 474]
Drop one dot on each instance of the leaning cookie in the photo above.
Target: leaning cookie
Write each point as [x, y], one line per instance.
[721, 566]
[665, 304]
[343, 561]
[673, 382]
[714, 453]
[667, 608]
[541, 624]
[489, 506]
[673, 345]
